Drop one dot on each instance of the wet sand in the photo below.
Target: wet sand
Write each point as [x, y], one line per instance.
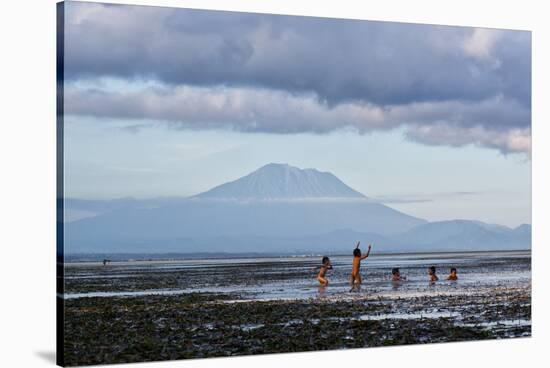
[173, 310]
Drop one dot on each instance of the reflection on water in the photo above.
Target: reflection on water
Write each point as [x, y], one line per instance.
[294, 278]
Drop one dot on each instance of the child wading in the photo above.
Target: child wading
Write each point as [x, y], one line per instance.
[431, 273]
[326, 265]
[452, 276]
[355, 274]
[396, 275]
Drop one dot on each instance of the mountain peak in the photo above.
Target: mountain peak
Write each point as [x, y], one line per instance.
[523, 228]
[280, 181]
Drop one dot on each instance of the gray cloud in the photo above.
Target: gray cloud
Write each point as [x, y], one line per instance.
[283, 74]
[506, 141]
[423, 198]
[488, 123]
[338, 60]
[400, 200]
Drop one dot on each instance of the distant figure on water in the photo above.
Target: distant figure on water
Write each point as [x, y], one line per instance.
[325, 265]
[105, 261]
[452, 276]
[396, 275]
[355, 274]
[431, 273]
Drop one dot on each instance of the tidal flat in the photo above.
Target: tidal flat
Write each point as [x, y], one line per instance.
[131, 312]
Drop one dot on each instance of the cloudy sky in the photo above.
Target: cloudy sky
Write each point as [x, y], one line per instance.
[432, 120]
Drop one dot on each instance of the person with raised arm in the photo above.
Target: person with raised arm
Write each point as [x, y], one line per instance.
[356, 265]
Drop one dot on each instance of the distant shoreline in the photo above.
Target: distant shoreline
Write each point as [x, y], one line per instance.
[124, 257]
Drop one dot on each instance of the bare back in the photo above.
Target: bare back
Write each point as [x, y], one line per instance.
[356, 264]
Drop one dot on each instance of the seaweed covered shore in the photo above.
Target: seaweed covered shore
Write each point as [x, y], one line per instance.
[196, 325]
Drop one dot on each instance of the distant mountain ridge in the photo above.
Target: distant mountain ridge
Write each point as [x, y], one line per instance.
[277, 208]
[282, 181]
[465, 234]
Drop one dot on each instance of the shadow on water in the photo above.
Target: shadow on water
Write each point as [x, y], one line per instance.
[48, 356]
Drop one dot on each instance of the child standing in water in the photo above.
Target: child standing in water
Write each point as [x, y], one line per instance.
[431, 273]
[356, 264]
[326, 265]
[452, 276]
[396, 275]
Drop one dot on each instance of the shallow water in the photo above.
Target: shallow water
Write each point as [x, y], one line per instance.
[220, 307]
[284, 278]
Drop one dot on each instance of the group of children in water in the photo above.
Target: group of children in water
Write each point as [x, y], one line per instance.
[355, 278]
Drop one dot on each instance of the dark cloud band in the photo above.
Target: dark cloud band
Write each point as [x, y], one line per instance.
[284, 74]
[338, 60]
